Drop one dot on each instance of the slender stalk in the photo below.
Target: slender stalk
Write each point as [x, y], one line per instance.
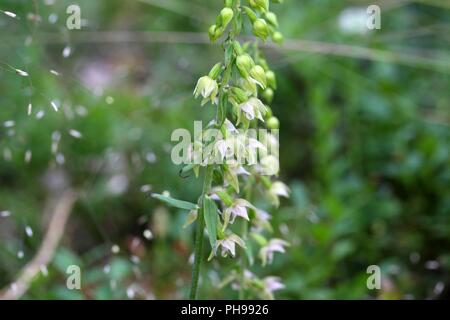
[207, 185]
[243, 264]
[199, 234]
[244, 234]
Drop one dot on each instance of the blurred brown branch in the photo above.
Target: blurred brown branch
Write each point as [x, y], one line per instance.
[433, 62]
[59, 217]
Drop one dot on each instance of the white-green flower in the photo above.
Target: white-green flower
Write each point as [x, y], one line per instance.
[272, 284]
[238, 209]
[277, 190]
[207, 88]
[280, 189]
[223, 148]
[253, 108]
[270, 166]
[274, 245]
[227, 246]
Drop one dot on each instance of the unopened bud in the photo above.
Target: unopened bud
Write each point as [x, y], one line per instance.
[215, 32]
[240, 94]
[227, 15]
[263, 63]
[268, 95]
[268, 114]
[258, 73]
[261, 5]
[272, 18]
[237, 48]
[251, 15]
[260, 29]
[215, 71]
[278, 37]
[273, 123]
[212, 32]
[244, 64]
[271, 79]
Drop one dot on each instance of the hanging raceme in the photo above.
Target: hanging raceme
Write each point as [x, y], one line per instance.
[240, 88]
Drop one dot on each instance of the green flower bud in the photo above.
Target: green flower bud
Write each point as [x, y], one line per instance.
[251, 15]
[212, 32]
[268, 95]
[268, 113]
[244, 64]
[215, 71]
[278, 37]
[271, 79]
[260, 29]
[273, 123]
[239, 94]
[272, 19]
[260, 5]
[215, 32]
[227, 15]
[258, 73]
[228, 3]
[237, 48]
[263, 63]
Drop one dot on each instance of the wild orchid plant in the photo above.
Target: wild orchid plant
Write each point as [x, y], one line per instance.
[236, 88]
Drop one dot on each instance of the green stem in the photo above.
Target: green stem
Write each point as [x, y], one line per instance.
[207, 183]
[199, 234]
[243, 263]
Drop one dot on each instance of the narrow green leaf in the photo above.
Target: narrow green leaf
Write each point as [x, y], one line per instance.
[175, 203]
[210, 214]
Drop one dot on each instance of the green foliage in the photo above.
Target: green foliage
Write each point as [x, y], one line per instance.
[364, 146]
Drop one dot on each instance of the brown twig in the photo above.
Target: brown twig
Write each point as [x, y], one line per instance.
[293, 45]
[55, 231]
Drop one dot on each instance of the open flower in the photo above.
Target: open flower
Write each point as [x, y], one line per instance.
[274, 245]
[272, 284]
[237, 168]
[230, 126]
[251, 150]
[277, 190]
[227, 246]
[280, 189]
[222, 148]
[253, 108]
[270, 166]
[237, 209]
[261, 221]
[207, 88]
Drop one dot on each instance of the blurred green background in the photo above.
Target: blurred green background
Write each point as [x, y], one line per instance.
[365, 145]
